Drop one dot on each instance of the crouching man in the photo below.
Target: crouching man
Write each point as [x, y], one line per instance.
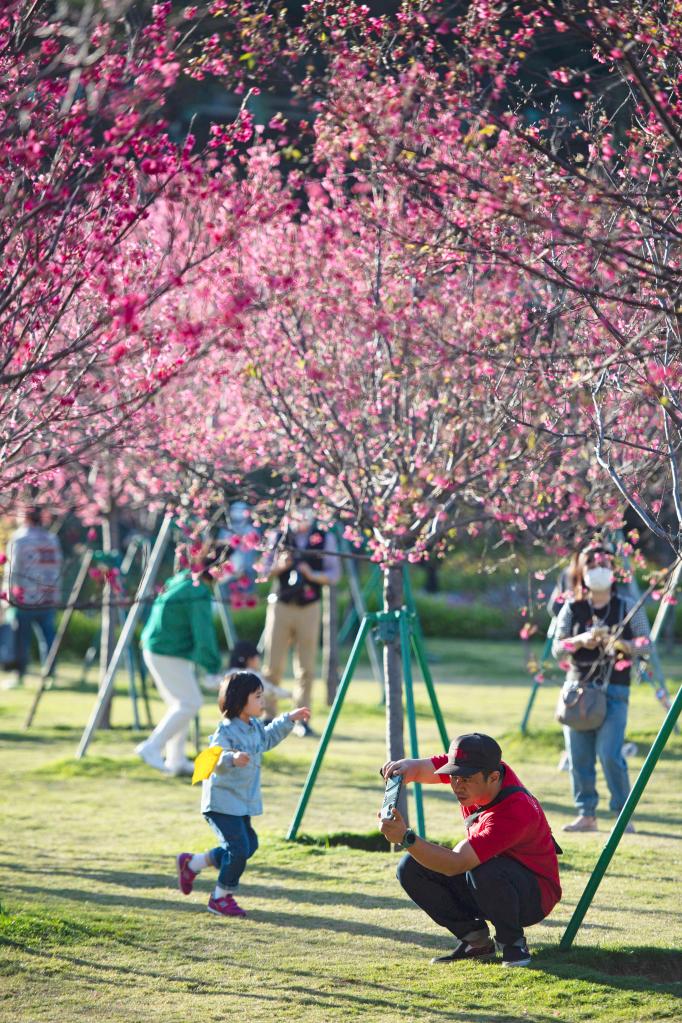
[505, 871]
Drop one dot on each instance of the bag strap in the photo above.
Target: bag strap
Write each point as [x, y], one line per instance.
[499, 798]
[503, 794]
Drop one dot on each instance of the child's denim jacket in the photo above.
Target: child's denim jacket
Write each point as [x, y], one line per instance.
[236, 790]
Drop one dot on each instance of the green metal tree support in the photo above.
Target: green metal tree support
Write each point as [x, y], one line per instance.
[622, 822]
[389, 624]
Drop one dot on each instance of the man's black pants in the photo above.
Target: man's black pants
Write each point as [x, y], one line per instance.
[501, 890]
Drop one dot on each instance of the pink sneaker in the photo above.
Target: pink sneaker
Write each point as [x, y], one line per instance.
[185, 874]
[226, 906]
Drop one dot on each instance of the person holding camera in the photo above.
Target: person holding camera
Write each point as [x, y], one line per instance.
[598, 633]
[505, 871]
[301, 562]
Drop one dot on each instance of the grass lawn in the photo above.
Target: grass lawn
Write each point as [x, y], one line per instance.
[93, 928]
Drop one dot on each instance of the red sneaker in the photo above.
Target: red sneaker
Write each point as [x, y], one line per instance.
[225, 906]
[185, 874]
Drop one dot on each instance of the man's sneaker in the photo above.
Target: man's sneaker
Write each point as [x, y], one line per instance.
[464, 951]
[516, 955]
[225, 906]
[183, 770]
[582, 824]
[303, 730]
[151, 757]
[185, 874]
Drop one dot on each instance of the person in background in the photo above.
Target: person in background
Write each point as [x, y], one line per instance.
[591, 636]
[33, 585]
[246, 657]
[301, 561]
[243, 554]
[179, 635]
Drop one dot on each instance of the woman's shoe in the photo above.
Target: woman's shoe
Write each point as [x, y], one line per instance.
[582, 824]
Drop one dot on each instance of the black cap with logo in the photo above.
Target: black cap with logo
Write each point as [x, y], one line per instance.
[471, 753]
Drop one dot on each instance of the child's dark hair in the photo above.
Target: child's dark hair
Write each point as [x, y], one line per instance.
[244, 650]
[235, 690]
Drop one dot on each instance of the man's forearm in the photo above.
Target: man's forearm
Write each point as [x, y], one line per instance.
[438, 858]
[426, 774]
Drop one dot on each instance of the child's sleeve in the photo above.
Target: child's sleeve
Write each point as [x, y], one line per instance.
[276, 731]
[225, 761]
[221, 737]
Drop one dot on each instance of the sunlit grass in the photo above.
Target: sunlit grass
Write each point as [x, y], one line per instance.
[92, 926]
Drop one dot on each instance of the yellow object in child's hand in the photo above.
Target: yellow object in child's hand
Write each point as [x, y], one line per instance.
[204, 765]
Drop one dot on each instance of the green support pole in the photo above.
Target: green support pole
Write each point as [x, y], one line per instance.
[529, 707]
[625, 815]
[329, 727]
[420, 656]
[411, 716]
[546, 651]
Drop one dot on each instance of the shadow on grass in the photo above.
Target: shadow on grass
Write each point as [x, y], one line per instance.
[286, 984]
[629, 968]
[128, 879]
[278, 918]
[103, 767]
[35, 738]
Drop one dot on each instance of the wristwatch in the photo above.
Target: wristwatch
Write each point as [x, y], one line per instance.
[409, 838]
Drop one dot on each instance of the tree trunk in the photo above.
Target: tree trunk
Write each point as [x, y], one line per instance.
[393, 678]
[110, 541]
[330, 645]
[431, 584]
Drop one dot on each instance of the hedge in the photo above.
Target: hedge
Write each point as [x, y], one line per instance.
[438, 619]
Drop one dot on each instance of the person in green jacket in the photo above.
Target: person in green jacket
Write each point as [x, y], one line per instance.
[179, 635]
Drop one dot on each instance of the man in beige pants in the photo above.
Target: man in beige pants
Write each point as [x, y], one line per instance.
[301, 562]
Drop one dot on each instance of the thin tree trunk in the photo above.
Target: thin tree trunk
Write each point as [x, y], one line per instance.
[330, 646]
[393, 678]
[110, 541]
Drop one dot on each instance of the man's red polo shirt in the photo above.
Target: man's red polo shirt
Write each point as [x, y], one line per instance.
[516, 827]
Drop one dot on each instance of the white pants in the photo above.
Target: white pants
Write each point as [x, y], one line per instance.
[176, 681]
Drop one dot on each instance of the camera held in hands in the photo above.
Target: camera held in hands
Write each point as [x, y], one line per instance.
[393, 787]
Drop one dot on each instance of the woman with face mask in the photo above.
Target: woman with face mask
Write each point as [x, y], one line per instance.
[591, 637]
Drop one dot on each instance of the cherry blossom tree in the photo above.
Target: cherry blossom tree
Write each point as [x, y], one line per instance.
[104, 218]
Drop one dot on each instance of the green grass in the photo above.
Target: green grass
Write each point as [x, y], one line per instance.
[92, 927]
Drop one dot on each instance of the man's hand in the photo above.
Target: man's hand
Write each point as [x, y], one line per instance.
[300, 714]
[311, 575]
[284, 563]
[241, 759]
[393, 830]
[409, 769]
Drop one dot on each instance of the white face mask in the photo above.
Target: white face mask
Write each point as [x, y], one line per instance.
[598, 578]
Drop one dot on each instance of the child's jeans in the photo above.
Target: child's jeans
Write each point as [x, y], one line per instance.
[238, 842]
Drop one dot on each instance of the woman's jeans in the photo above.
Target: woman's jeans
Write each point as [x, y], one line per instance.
[501, 890]
[606, 742]
[238, 843]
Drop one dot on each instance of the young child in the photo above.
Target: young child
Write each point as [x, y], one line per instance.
[231, 796]
[246, 657]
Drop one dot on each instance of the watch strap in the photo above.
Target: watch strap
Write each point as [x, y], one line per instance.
[409, 838]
